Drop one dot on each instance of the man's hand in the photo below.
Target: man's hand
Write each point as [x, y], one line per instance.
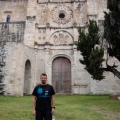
[53, 110]
[34, 112]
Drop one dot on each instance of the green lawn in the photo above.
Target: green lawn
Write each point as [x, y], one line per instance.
[68, 107]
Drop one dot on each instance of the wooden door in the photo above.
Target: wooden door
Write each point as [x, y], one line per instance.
[61, 75]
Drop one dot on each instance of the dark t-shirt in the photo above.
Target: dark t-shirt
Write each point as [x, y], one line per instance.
[43, 94]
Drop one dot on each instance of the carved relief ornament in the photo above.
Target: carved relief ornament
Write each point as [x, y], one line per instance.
[61, 14]
[61, 38]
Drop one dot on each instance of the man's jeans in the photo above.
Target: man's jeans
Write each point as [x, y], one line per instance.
[46, 114]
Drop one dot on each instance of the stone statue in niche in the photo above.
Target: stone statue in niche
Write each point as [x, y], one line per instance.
[66, 39]
[42, 14]
[61, 38]
[79, 14]
[56, 42]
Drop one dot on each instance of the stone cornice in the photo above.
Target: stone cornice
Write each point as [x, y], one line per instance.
[19, 22]
[60, 27]
[72, 1]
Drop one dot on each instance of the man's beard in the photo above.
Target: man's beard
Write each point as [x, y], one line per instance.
[43, 82]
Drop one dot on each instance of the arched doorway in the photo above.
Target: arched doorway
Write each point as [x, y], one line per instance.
[61, 75]
[27, 78]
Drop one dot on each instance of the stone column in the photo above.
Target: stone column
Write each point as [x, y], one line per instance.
[50, 74]
[29, 37]
[72, 78]
[46, 62]
[47, 34]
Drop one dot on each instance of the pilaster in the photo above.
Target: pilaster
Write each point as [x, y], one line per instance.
[29, 37]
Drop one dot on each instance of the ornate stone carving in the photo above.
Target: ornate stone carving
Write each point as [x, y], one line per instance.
[79, 13]
[63, 53]
[42, 14]
[41, 34]
[61, 38]
[61, 14]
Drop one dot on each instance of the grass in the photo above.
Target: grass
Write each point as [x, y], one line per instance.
[68, 107]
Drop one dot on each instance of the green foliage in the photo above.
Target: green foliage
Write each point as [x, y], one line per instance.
[92, 56]
[112, 28]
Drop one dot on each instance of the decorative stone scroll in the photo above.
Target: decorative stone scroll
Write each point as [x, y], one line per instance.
[41, 34]
[61, 38]
[61, 14]
[42, 14]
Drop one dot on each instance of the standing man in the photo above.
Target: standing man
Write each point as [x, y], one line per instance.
[43, 101]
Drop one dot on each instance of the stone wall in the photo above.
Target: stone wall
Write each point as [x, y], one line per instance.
[12, 31]
[14, 71]
[17, 10]
[2, 64]
[9, 32]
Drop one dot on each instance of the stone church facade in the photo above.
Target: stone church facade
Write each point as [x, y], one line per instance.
[40, 36]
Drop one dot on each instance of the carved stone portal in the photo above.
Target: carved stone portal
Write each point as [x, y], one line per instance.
[61, 14]
[61, 38]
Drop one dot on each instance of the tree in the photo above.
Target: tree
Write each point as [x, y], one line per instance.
[92, 49]
[92, 56]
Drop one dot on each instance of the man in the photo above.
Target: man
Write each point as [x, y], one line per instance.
[43, 100]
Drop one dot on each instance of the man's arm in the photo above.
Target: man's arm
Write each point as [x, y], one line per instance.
[34, 105]
[53, 103]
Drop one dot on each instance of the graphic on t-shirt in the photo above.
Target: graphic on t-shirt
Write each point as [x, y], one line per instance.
[40, 90]
[42, 93]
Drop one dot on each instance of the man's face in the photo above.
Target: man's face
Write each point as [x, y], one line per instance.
[43, 79]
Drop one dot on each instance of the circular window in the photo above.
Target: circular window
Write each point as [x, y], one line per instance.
[61, 15]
